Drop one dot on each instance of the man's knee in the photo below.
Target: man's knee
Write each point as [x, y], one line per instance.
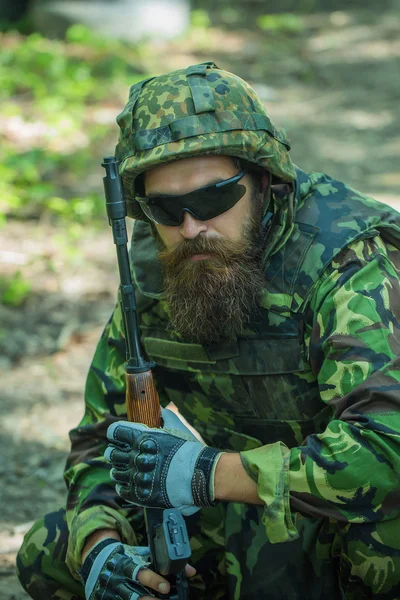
[41, 560]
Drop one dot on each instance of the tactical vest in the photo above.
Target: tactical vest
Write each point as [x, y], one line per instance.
[259, 388]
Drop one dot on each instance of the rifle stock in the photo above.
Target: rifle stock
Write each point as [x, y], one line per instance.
[142, 403]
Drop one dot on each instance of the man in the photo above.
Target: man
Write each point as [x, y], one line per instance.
[270, 301]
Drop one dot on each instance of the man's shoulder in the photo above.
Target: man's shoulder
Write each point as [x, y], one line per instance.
[340, 214]
[321, 186]
[330, 216]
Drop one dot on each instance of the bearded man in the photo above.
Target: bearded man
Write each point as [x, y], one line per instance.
[270, 300]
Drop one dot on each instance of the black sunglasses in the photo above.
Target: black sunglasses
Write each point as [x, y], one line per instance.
[203, 204]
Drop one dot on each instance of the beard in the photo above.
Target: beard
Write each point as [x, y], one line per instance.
[213, 299]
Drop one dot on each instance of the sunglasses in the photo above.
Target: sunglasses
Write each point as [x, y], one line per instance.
[203, 204]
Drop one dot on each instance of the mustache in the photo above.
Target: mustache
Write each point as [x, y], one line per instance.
[223, 249]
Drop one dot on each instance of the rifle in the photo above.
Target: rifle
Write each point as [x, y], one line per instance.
[166, 529]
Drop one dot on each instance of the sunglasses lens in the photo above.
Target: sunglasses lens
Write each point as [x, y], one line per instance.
[203, 204]
[161, 214]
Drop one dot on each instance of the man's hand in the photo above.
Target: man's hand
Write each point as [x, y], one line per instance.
[114, 570]
[111, 570]
[161, 468]
[184, 425]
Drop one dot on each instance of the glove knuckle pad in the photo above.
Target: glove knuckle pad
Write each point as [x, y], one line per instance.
[144, 482]
[148, 446]
[146, 463]
[118, 457]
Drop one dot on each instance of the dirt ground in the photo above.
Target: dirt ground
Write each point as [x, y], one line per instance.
[337, 96]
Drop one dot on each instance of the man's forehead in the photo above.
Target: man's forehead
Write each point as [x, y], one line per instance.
[189, 173]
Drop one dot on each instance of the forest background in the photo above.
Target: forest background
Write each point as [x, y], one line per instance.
[328, 72]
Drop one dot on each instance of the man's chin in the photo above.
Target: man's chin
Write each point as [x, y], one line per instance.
[212, 289]
[210, 303]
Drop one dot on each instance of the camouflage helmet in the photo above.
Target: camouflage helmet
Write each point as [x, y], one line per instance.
[194, 111]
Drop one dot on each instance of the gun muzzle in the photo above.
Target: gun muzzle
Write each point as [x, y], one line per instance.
[115, 203]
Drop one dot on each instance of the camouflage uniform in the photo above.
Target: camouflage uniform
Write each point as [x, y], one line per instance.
[309, 393]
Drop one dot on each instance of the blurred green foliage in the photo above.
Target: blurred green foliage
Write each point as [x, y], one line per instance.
[282, 23]
[200, 18]
[14, 289]
[54, 95]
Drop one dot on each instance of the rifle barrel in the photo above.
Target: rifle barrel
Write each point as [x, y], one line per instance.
[143, 405]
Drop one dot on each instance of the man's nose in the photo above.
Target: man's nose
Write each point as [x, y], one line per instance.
[191, 227]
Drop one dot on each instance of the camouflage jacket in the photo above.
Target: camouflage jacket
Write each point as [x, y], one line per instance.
[309, 394]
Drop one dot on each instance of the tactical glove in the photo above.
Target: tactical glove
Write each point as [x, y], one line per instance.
[110, 571]
[162, 468]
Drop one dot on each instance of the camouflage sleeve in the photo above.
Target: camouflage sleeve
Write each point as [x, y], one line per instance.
[92, 502]
[351, 471]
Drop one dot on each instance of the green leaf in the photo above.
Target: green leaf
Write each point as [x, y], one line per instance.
[15, 290]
